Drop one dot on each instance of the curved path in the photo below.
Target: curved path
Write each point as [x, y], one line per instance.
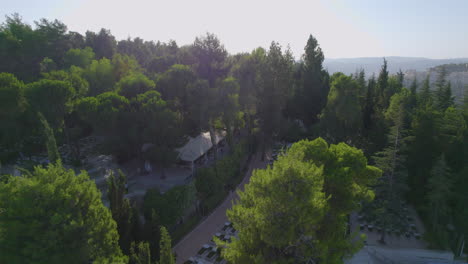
[202, 234]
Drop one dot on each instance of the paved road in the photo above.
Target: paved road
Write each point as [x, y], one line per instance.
[202, 234]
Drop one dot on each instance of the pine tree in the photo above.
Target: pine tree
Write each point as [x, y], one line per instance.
[152, 234]
[440, 186]
[369, 105]
[315, 82]
[166, 255]
[51, 144]
[443, 93]
[53, 215]
[413, 93]
[400, 78]
[425, 95]
[296, 211]
[140, 253]
[382, 86]
[121, 209]
[390, 161]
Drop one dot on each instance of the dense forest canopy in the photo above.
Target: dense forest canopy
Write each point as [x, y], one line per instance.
[58, 86]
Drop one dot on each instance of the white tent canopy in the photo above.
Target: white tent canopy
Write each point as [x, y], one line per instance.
[196, 147]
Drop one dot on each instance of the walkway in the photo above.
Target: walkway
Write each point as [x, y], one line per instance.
[203, 233]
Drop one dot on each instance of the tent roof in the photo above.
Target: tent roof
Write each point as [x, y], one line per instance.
[199, 145]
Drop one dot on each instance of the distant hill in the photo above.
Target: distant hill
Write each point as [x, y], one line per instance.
[373, 64]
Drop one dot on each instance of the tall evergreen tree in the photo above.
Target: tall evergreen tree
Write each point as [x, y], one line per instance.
[423, 150]
[425, 95]
[121, 209]
[390, 160]
[341, 119]
[369, 104]
[382, 86]
[440, 188]
[51, 144]
[443, 92]
[140, 253]
[153, 234]
[166, 256]
[360, 78]
[273, 91]
[413, 94]
[312, 96]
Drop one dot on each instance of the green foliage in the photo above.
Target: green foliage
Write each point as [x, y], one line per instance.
[423, 150]
[134, 84]
[272, 89]
[311, 95]
[121, 210]
[166, 256]
[47, 65]
[302, 201]
[140, 253]
[440, 187]
[207, 183]
[392, 185]
[72, 76]
[212, 183]
[175, 85]
[24, 48]
[171, 205]
[12, 106]
[78, 57]
[211, 56]
[200, 87]
[425, 96]
[228, 99]
[52, 98]
[79, 229]
[443, 93]
[100, 76]
[124, 65]
[152, 233]
[159, 126]
[382, 85]
[341, 119]
[51, 144]
[186, 227]
[102, 43]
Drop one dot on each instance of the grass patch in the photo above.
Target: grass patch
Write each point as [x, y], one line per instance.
[185, 228]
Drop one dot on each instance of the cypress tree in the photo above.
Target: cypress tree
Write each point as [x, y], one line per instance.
[51, 144]
[121, 209]
[166, 256]
[140, 253]
[443, 93]
[152, 233]
[425, 96]
[413, 93]
[382, 85]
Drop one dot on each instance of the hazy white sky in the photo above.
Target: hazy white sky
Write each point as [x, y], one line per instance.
[344, 28]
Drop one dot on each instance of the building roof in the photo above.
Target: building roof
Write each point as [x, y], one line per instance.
[199, 145]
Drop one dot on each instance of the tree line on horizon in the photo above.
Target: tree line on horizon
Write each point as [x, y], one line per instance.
[57, 87]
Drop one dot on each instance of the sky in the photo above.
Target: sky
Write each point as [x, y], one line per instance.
[343, 28]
